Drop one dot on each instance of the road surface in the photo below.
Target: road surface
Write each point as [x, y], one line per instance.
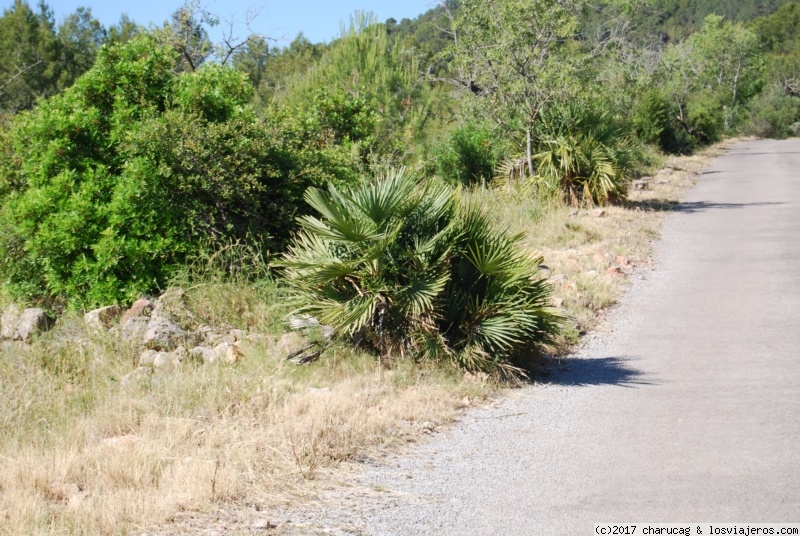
[688, 412]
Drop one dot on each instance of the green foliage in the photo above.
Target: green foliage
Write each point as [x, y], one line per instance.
[774, 114]
[653, 122]
[468, 155]
[711, 75]
[403, 267]
[583, 155]
[363, 63]
[38, 59]
[510, 61]
[110, 186]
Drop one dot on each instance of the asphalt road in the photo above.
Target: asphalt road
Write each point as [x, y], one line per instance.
[689, 411]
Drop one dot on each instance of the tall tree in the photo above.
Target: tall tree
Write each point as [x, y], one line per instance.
[29, 51]
[505, 56]
[80, 36]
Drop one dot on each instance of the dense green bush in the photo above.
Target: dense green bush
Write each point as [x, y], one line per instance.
[110, 186]
[653, 121]
[403, 267]
[774, 114]
[705, 118]
[468, 155]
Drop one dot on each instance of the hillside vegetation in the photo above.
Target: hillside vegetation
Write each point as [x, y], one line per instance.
[383, 229]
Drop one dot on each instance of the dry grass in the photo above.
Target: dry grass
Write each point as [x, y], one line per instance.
[81, 454]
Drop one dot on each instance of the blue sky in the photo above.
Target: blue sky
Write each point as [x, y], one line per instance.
[318, 20]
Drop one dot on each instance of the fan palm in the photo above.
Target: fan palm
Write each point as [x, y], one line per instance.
[583, 155]
[404, 267]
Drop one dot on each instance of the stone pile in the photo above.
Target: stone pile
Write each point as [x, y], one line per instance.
[164, 330]
[22, 324]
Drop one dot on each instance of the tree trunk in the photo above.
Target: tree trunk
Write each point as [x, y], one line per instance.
[529, 153]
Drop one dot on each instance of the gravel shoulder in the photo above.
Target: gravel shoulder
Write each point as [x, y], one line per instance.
[684, 408]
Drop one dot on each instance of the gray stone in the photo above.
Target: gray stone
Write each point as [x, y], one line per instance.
[147, 358]
[167, 361]
[31, 322]
[204, 354]
[210, 335]
[221, 350]
[135, 328]
[290, 343]
[9, 321]
[163, 334]
[102, 318]
[237, 335]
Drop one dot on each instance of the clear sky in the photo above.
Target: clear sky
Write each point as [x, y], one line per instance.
[318, 20]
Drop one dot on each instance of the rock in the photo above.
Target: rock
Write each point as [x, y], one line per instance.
[599, 213]
[328, 332]
[233, 354]
[147, 358]
[140, 376]
[102, 318]
[303, 322]
[9, 321]
[163, 334]
[237, 335]
[591, 273]
[31, 322]
[135, 328]
[599, 257]
[290, 343]
[167, 361]
[309, 322]
[141, 307]
[221, 351]
[558, 302]
[615, 271]
[622, 261]
[204, 354]
[210, 335]
[263, 524]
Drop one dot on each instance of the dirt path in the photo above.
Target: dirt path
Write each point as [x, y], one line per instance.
[687, 410]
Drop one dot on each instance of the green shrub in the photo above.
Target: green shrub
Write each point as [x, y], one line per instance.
[468, 156]
[653, 121]
[583, 155]
[402, 267]
[774, 114]
[109, 187]
[705, 118]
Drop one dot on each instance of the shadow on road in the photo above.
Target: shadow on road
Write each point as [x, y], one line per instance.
[702, 206]
[598, 371]
[690, 207]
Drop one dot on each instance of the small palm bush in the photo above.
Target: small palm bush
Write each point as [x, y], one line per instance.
[582, 155]
[408, 268]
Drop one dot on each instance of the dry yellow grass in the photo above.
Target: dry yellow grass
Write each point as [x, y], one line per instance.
[81, 454]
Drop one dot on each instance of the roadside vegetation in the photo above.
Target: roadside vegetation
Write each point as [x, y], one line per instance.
[396, 224]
